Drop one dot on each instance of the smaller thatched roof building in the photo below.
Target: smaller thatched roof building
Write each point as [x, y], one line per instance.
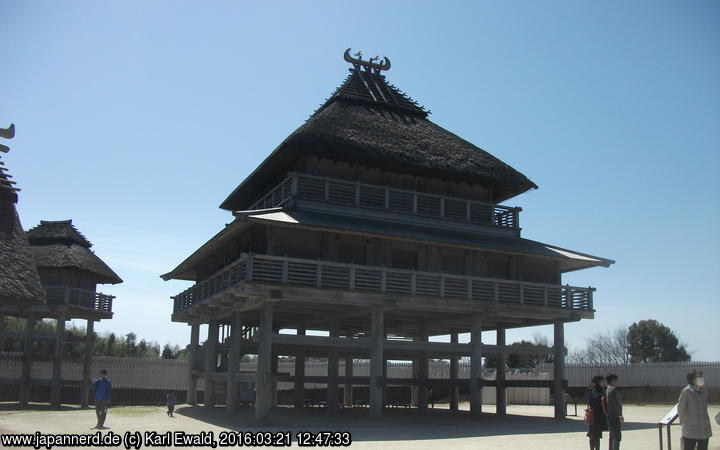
[19, 279]
[59, 245]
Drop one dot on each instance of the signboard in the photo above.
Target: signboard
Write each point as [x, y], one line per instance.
[670, 417]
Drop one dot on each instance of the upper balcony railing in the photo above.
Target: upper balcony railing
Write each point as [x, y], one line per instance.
[78, 297]
[374, 279]
[364, 195]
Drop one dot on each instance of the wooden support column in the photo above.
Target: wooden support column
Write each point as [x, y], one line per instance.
[210, 363]
[58, 353]
[333, 394]
[2, 334]
[377, 382]
[559, 369]
[501, 375]
[27, 360]
[231, 387]
[191, 374]
[476, 367]
[274, 364]
[263, 394]
[88, 349]
[454, 388]
[348, 391]
[423, 370]
[414, 388]
[299, 389]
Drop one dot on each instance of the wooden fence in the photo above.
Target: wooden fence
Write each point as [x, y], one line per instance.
[154, 373]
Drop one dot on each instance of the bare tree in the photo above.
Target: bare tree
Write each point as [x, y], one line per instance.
[604, 348]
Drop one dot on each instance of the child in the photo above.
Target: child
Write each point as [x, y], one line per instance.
[171, 403]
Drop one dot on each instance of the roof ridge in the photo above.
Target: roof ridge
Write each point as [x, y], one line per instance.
[371, 88]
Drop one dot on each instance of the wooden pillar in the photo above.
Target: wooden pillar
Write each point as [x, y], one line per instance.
[423, 370]
[559, 369]
[376, 362]
[414, 387]
[231, 388]
[27, 360]
[333, 395]
[210, 363]
[501, 375]
[264, 365]
[56, 387]
[299, 389]
[2, 334]
[274, 363]
[476, 367]
[88, 349]
[193, 360]
[348, 391]
[454, 388]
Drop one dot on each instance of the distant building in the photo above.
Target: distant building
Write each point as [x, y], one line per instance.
[48, 273]
[383, 229]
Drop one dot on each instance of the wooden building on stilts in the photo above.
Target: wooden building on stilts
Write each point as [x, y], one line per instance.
[48, 273]
[381, 229]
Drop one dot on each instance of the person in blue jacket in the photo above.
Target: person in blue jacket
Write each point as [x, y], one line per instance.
[102, 391]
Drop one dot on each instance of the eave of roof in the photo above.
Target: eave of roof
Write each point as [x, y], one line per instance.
[570, 260]
[73, 256]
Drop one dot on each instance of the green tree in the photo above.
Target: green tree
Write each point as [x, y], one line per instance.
[651, 341]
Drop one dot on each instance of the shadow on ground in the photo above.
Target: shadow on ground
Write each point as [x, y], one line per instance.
[396, 425]
[6, 406]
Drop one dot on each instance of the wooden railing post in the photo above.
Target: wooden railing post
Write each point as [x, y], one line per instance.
[383, 280]
[249, 268]
[352, 276]
[522, 293]
[284, 276]
[318, 274]
[442, 285]
[496, 294]
[545, 296]
[294, 180]
[413, 282]
[568, 296]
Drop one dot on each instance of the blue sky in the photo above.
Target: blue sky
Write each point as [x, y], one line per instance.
[136, 119]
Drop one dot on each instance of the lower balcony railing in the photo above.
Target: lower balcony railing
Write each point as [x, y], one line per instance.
[352, 277]
[79, 297]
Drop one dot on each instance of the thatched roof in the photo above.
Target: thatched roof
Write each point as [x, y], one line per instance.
[368, 121]
[19, 279]
[59, 245]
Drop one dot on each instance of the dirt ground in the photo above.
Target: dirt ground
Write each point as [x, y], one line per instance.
[525, 427]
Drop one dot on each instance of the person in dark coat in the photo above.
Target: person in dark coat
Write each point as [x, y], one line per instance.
[171, 400]
[596, 402]
[614, 410]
